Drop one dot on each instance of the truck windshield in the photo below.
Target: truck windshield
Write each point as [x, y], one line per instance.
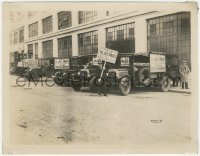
[141, 59]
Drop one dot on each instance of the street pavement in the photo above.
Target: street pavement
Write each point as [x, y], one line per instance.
[59, 115]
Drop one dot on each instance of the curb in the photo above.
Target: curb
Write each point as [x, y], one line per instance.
[180, 91]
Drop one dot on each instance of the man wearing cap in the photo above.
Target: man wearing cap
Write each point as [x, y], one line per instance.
[184, 73]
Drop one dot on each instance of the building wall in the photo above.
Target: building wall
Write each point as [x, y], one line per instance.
[101, 24]
[17, 45]
[170, 34]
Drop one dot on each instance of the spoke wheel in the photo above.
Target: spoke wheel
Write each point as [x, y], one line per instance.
[125, 86]
[166, 84]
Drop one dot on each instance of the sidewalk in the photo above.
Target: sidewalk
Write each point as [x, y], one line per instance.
[180, 90]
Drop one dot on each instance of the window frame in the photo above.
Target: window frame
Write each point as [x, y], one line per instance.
[64, 23]
[21, 35]
[65, 47]
[86, 16]
[47, 24]
[33, 29]
[121, 38]
[47, 49]
[88, 43]
[16, 40]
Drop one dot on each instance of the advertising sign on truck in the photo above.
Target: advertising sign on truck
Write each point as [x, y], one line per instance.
[157, 63]
[62, 63]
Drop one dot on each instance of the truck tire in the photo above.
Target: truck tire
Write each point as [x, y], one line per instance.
[143, 73]
[166, 84]
[125, 86]
[76, 83]
[77, 88]
[34, 76]
[58, 81]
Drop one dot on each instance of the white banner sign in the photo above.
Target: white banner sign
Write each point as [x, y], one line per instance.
[157, 63]
[31, 63]
[61, 63]
[107, 55]
[66, 63]
[125, 61]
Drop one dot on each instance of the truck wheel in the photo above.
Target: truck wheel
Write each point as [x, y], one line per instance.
[77, 88]
[76, 83]
[143, 73]
[34, 76]
[125, 86]
[166, 84]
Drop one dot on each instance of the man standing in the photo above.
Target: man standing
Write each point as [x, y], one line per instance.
[101, 82]
[184, 73]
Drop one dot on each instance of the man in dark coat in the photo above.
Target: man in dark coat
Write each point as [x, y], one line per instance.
[101, 82]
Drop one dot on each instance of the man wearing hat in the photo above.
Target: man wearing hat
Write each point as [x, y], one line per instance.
[184, 73]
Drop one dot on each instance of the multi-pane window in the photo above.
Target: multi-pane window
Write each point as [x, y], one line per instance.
[65, 47]
[153, 29]
[11, 39]
[121, 38]
[47, 25]
[30, 51]
[171, 34]
[47, 49]
[120, 34]
[36, 50]
[21, 36]
[86, 16]
[185, 25]
[168, 27]
[88, 43]
[15, 37]
[64, 19]
[33, 30]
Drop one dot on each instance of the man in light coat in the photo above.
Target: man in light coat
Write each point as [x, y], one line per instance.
[184, 73]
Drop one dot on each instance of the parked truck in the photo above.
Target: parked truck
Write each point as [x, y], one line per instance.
[148, 69]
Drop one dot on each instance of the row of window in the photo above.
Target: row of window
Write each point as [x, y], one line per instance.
[18, 37]
[64, 21]
[122, 40]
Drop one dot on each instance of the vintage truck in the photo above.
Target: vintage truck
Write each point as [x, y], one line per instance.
[39, 68]
[64, 77]
[140, 70]
[83, 76]
[149, 69]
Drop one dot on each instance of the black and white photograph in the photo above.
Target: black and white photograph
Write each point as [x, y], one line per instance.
[100, 77]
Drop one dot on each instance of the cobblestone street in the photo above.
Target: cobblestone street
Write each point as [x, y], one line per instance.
[59, 115]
